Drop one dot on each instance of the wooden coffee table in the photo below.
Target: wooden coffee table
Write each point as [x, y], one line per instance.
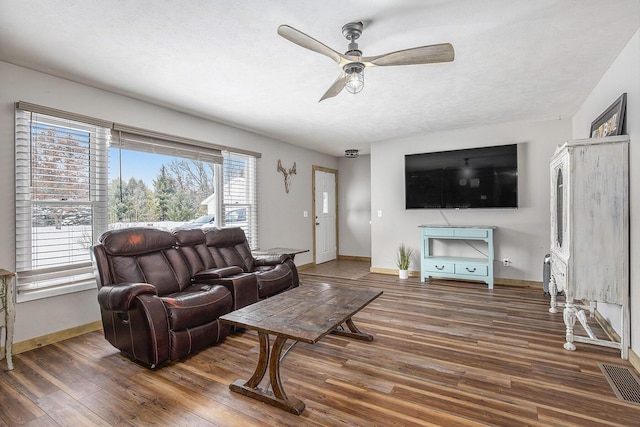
[303, 314]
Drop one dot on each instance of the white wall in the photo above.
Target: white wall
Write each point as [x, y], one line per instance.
[281, 220]
[622, 76]
[354, 206]
[523, 234]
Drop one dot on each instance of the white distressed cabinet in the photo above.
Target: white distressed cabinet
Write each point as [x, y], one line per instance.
[590, 233]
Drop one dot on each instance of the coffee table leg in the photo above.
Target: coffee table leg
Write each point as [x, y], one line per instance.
[263, 361]
[271, 359]
[353, 332]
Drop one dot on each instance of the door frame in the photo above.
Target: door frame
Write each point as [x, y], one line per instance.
[315, 168]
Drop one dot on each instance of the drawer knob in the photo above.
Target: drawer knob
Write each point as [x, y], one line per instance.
[440, 268]
[471, 270]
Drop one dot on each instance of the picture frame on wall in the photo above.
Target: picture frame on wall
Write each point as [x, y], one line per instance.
[611, 121]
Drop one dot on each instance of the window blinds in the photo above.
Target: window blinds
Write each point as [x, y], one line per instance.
[240, 192]
[136, 139]
[61, 200]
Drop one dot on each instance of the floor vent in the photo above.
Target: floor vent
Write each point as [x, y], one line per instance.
[623, 381]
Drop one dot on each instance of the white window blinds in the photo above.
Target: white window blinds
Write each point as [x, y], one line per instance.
[240, 194]
[61, 201]
[136, 139]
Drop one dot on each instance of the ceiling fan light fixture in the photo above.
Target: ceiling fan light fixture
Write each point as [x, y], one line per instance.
[354, 82]
[353, 63]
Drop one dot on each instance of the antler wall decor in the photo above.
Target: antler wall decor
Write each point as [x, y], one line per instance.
[287, 175]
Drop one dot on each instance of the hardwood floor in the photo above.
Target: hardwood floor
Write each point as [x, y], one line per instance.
[339, 269]
[444, 353]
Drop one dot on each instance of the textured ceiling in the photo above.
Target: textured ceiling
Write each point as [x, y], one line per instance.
[223, 60]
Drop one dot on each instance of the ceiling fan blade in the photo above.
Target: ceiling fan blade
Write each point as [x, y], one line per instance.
[417, 55]
[308, 42]
[336, 87]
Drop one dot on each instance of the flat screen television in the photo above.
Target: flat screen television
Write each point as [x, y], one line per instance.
[485, 177]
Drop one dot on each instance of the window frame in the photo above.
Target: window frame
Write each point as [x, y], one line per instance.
[35, 279]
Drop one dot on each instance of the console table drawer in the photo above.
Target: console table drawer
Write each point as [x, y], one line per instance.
[435, 232]
[470, 232]
[439, 266]
[471, 269]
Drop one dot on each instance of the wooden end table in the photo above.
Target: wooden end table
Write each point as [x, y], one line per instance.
[303, 314]
[277, 251]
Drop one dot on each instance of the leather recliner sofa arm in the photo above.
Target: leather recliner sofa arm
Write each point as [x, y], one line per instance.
[272, 259]
[216, 273]
[243, 287]
[121, 297]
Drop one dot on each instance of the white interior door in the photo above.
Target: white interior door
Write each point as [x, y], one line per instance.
[325, 216]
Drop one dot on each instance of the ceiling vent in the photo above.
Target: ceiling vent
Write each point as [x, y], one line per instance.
[352, 153]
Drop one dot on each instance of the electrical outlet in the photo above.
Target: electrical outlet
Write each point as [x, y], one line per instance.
[506, 262]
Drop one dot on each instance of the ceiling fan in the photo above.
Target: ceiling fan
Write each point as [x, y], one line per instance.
[353, 63]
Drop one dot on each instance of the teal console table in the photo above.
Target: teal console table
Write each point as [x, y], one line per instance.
[431, 265]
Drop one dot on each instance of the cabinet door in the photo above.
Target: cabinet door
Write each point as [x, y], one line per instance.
[598, 223]
[560, 182]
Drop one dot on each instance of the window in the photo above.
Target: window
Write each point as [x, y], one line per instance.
[177, 187]
[325, 202]
[61, 202]
[78, 176]
[169, 192]
[174, 190]
[240, 194]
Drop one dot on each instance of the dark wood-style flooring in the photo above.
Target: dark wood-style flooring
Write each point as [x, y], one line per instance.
[444, 353]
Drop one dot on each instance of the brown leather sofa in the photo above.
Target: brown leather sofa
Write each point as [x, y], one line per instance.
[229, 247]
[161, 293]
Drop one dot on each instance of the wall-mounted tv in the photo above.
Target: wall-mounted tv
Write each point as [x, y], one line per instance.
[485, 177]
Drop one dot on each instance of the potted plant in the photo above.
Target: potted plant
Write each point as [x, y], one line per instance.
[403, 259]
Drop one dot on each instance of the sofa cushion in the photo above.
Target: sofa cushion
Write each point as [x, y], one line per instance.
[186, 341]
[189, 237]
[144, 254]
[196, 305]
[229, 246]
[165, 270]
[136, 241]
[193, 247]
[274, 281]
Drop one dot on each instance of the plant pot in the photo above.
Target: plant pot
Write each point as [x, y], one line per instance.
[403, 274]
